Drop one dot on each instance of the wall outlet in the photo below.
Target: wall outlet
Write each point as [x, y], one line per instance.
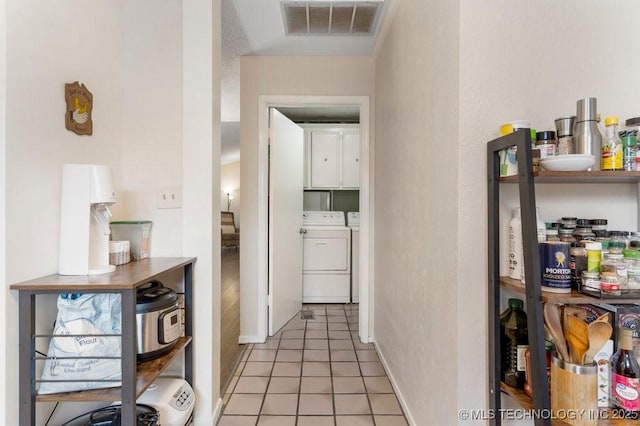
[170, 197]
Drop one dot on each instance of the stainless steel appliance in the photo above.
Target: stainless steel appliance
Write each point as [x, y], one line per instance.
[158, 320]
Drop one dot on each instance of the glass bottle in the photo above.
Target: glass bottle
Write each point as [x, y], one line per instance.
[625, 376]
[514, 341]
[611, 146]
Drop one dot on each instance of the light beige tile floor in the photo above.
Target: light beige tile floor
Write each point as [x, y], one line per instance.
[314, 372]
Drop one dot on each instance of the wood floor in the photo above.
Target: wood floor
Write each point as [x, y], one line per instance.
[230, 350]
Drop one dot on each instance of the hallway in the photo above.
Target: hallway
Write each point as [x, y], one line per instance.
[314, 372]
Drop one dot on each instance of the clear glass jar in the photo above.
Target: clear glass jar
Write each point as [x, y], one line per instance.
[566, 235]
[584, 233]
[613, 263]
[610, 284]
[619, 236]
[569, 222]
[590, 281]
[632, 259]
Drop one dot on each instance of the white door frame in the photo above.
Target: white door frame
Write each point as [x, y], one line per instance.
[366, 203]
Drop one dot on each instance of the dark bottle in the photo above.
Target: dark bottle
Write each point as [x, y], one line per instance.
[625, 377]
[514, 341]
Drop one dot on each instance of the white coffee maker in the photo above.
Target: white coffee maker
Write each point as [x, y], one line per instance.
[87, 193]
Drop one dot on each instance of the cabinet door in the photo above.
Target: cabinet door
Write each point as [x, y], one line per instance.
[307, 162]
[351, 159]
[324, 159]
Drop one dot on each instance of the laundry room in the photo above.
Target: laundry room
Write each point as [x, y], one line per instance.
[331, 198]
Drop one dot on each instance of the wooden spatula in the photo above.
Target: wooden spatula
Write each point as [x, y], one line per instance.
[551, 314]
[577, 334]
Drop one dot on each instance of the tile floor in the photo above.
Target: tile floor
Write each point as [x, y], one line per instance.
[314, 372]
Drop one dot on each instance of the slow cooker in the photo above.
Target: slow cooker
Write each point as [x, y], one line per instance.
[158, 320]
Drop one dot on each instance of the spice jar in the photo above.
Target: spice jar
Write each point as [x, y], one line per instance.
[546, 143]
[566, 235]
[610, 284]
[584, 233]
[632, 260]
[613, 263]
[590, 281]
[619, 236]
[569, 222]
[594, 256]
[552, 235]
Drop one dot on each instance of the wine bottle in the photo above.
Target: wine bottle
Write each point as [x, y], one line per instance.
[625, 377]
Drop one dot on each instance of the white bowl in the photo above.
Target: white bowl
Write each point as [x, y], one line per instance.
[569, 162]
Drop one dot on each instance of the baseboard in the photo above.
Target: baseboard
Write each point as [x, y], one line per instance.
[394, 384]
[243, 340]
[217, 412]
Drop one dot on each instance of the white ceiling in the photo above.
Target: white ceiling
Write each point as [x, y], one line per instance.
[255, 27]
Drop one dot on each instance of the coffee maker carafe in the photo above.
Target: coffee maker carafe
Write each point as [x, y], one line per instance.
[87, 193]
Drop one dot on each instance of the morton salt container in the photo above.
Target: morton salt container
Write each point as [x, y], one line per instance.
[554, 266]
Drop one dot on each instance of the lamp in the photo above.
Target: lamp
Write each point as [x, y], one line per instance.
[229, 198]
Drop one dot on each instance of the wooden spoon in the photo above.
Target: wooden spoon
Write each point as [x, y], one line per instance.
[577, 334]
[599, 334]
[551, 314]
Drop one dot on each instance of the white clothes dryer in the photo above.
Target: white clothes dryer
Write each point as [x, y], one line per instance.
[326, 260]
[353, 222]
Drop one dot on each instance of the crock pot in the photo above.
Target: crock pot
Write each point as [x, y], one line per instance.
[158, 320]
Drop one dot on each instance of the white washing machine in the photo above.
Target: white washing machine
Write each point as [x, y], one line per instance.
[353, 222]
[326, 259]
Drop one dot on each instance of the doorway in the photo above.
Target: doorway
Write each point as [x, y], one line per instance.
[365, 202]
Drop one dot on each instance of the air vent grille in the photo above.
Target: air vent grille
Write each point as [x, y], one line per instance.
[339, 18]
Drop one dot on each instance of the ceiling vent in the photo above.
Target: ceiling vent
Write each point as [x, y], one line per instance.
[334, 18]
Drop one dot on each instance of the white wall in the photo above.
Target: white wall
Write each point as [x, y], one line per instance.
[3, 169]
[129, 55]
[263, 75]
[416, 191]
[511, 68]
[152, 117]
[230, 180]
[48, 46]
[201, 180]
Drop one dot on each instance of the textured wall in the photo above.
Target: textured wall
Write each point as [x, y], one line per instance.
[416, 192]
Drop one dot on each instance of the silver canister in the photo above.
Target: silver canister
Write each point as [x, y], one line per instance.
[564, 130]
[586, 135]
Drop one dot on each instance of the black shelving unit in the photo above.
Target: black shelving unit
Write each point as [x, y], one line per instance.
[522, 140]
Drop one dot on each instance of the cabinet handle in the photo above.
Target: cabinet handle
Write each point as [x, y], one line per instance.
[325, 160]
[357, 159]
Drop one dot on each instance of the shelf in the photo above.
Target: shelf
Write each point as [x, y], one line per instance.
[526, 403]
[561, 298]
[579, 177]
[125, 277]
[147, 372]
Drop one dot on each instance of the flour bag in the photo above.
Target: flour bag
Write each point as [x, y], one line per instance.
[85, 319]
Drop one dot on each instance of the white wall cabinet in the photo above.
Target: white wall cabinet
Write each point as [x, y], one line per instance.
[332, 157]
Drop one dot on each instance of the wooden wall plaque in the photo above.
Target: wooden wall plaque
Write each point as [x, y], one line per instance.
[79, 102]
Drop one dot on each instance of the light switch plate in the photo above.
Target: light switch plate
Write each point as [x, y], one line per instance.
[170, 197]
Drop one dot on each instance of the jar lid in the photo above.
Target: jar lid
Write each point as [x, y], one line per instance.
[635, 121]
[631, 254]
[594, 246]
[546, 135]
[608, 121]
[617, 233]
[556, 225]
[598, 222]
[569, 219]
[516, 303]
[583, 223]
